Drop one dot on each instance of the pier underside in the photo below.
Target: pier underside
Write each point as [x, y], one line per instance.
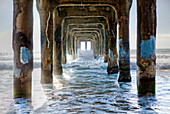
[67, 23]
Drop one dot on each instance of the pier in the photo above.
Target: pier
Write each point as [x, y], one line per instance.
[66, 23]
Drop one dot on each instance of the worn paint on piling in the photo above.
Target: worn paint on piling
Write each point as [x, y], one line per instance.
[123, 55]
[25, 55]
[17, 73]
[148, 48]
[111, 55]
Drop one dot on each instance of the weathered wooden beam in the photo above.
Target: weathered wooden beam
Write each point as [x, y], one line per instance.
[146, 41]
[23, 47]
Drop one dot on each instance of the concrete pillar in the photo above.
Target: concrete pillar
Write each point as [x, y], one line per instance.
[102, 43]
[74, 48]
[46, 23]
[112, 44]
[112, 61]
[64, 58]
[95, 49]
[69, 45]
[85, 45]
[57, 67]
[91, 45]
[23, 47]
[80, 44]
[46, 19]
[124, 51]
[106, 56]
[77, 48]
[146, 40]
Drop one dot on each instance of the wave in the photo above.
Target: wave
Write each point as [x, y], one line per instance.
[133, 66]
[10, 65]
[37, 64]
[6, 62]
[6, 66]
[163, 66]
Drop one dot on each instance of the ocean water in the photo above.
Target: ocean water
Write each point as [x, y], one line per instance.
[85, 87]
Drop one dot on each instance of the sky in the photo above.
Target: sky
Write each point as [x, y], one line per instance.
[163, 25]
